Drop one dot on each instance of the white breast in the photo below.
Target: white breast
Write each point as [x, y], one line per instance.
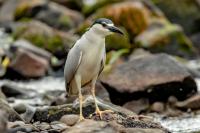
[91, 60]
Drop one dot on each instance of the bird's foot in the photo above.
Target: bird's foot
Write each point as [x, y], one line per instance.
[98, 112]
[81, 118]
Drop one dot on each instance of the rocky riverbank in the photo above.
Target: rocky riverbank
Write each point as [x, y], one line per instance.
[151, 71]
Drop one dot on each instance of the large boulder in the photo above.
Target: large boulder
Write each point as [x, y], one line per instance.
[154, 76]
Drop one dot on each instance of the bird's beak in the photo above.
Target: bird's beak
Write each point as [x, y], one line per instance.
[115, 30]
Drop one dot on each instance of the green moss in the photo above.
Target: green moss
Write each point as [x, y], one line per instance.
[55, 42]
[65, 21]
[21, 11]
[116, 42]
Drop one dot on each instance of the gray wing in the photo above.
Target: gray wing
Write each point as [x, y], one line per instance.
[103, 61]
[71, 65]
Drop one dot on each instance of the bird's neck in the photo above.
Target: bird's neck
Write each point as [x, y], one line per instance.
[93, 36]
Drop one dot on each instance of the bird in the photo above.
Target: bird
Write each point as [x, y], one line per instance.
[86, 59]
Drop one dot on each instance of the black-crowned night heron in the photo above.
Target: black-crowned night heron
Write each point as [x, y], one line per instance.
[86, 60]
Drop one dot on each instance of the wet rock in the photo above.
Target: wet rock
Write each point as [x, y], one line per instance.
[158, 107]
[137, 106]
[12, 115]
[21, 127]
[29, 65]
[190, 103]
[69, 120]
[3, 122]
[43, 36]
[180, 14]
[154, 76]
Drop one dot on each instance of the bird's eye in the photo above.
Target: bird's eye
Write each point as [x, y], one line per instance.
[104, 25]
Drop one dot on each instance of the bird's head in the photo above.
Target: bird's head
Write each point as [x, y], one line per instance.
[104, 27]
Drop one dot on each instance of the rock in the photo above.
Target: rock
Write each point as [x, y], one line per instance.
[20, 108]
[154, 76]
[137, 106]
[26, 45]
[162, 36]
[91, 126]
[43, 36]
[72, 4]
[90, 7]
[54, 113]
[119, 119]
[69, 120]
[158, 107]
[135, 15]
[12, 115]
[42, 126]
[11, 89]
[138, 130]
[3, 122]
[29, 65]
[195, 38]
[64, 18]
[2, 95]
[58, 126]
[190, 103]
[180, 14]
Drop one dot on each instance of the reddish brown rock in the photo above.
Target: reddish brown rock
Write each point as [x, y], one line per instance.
[29, 64]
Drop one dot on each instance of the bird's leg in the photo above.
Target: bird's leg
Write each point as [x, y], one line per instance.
[78, 83]
[95, 101]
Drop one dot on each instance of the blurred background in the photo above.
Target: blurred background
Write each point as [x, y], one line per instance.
[153, 70]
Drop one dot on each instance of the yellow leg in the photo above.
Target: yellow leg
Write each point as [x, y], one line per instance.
[81, 103]
[78, 85]
[96, 106]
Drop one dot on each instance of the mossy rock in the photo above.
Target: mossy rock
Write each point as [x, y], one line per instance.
[26, 8]
[184, 12]
[90, 7]
[135, 16]
[43, 36]
[162, 36]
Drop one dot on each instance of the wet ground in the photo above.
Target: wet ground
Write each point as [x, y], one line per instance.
[39, 88]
